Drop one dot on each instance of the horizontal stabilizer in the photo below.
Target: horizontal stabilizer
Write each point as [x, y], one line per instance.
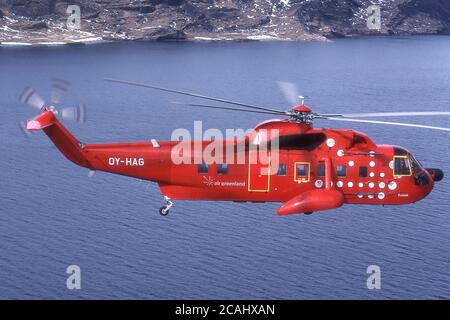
[42, 121]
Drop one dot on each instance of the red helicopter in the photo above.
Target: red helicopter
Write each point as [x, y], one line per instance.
[317, 169]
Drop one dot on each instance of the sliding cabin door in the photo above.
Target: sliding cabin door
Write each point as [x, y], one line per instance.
[258, 172]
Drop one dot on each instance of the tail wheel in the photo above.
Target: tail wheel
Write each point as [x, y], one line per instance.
[164, 211]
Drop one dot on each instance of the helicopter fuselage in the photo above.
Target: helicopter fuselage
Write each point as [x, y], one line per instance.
[315, 169]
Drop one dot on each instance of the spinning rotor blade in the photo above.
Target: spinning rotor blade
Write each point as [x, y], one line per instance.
[192, 95]
[290, 92]
[388, 123]
[77, 114]
[389, 114]
[32, 98]
[228, 108]
[59, 88]
[23, 129]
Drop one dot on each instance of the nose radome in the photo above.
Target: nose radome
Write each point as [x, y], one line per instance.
[437, 174]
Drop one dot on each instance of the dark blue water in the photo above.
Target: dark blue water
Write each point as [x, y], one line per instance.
[52, 215]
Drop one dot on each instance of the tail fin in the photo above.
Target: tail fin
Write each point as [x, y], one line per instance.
[69, 146]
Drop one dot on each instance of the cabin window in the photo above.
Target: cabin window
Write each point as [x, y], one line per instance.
[301, 171]
[222, 168]
[202, 168]
[363, 172]
[321, 170]
[402, 166]
[281, 170]
[341, 171]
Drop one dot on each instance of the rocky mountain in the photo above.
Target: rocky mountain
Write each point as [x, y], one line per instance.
[43, 21]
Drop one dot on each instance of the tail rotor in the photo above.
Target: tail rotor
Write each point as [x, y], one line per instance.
[76, 114]
[23, 129]
[60, 87]
[30, 97]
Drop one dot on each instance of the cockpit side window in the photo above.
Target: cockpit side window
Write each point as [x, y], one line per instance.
[402, 166]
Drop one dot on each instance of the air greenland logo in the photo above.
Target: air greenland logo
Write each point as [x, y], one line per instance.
[129, 162]
[210, 182]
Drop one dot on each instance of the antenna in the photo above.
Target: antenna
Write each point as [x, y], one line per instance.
[302, 99]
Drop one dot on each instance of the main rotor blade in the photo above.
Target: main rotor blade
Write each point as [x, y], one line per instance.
[228, 108]
[389, 114]
[388, 123]
[137, 84]
[59, 88]
[290, 92]
[32, 98]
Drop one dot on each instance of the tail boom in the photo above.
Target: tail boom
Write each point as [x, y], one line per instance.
[139, 160]
[69, 146]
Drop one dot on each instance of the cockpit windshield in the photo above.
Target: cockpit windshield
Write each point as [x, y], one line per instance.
[416, 166]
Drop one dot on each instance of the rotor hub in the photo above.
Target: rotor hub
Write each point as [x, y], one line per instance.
[301, 108]
[302, 113]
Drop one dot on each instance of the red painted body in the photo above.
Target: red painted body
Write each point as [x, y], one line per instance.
[311, 191]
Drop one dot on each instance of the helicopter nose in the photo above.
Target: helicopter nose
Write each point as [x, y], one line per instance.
[437, 174]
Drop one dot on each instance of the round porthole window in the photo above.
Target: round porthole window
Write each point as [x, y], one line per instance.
[391, 164]
[318, 183]
[392, 185]
[331, 142]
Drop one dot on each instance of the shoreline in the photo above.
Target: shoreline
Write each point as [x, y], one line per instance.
[85, 41]
[100, 40]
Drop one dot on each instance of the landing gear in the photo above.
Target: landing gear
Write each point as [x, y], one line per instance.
[164, 210]
[308, 213]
